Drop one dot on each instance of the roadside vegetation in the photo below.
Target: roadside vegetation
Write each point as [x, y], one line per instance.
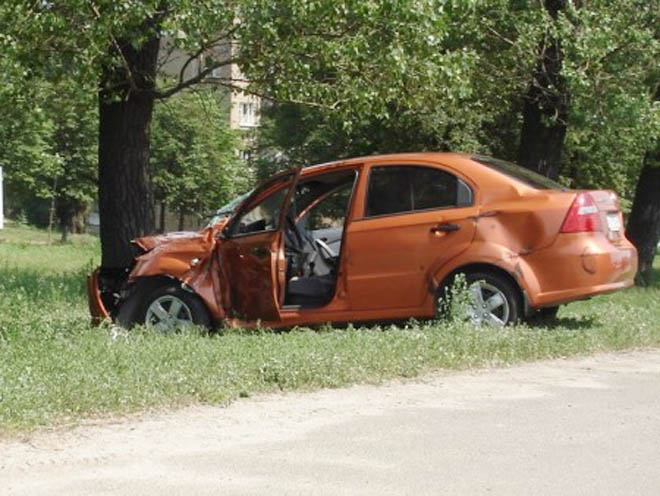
[56, 370]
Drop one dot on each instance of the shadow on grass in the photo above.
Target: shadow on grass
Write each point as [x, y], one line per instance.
[570, 323]
[320, 328]
[563, 323]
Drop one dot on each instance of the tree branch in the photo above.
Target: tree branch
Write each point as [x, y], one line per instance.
[194, 56]
[117, 46]
[251, 91]
[200, 76]
[500, 36]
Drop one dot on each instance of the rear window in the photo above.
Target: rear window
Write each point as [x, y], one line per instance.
[530, 178]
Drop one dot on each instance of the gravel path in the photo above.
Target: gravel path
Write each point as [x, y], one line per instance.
[588, 426]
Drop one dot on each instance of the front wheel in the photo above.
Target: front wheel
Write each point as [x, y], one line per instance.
[165, 308]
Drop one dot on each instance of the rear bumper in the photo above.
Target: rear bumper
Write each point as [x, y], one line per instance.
[96, 307]
[578, 266]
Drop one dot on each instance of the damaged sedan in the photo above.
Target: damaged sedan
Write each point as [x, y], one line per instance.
[378, 238]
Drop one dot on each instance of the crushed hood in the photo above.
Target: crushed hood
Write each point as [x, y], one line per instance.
[183, 241]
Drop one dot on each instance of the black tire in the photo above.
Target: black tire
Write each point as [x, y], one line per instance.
[493, 288]
[175, 306]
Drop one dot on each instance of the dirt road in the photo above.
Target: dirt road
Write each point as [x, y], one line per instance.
[588, 426]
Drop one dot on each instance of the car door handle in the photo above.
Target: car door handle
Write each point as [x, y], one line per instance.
[445, 228]
[260, 251]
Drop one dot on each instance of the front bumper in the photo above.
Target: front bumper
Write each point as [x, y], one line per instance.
[97, 308]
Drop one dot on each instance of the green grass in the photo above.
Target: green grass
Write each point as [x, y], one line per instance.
[55, 369]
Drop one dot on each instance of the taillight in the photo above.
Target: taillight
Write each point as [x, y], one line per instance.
[582, 216]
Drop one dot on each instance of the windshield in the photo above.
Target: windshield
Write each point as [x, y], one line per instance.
[228, 209]
[522, 174]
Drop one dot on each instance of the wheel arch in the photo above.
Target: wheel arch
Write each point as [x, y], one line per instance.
[472, 267]
[144, 285]
[151, 282]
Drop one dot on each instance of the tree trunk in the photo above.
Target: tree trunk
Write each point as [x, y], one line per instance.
[51, 211]
[65, 210]
[161, 222]
[78, 222]
[125, 193]
[545, 109]
[65, 232]
[182, 219]
[643, 228]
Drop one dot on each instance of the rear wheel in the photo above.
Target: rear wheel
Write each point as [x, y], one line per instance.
[491, 299]
[165, 308]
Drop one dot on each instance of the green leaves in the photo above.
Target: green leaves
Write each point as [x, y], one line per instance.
[194, 153]
[411, 76]
[52, 137]
[375, 75]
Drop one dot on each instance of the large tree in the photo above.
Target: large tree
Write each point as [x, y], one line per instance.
[392, 74]
[508, 68]
[644, 224]
[328, 52]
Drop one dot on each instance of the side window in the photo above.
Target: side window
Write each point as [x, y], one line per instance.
[398, 189]
[432, 188]
[264, 216]
[389, 191]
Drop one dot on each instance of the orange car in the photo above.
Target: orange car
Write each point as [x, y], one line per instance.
[378, 238]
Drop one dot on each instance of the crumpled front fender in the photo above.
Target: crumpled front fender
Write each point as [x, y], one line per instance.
[187, 257]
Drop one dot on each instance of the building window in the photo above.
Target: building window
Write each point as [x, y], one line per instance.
[248, 114]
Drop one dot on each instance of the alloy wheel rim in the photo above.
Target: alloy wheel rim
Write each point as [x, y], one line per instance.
[487, 305]
[167, 313]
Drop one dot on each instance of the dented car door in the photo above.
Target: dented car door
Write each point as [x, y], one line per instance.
[252, 254]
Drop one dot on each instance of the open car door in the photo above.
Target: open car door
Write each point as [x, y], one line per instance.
[252, 252]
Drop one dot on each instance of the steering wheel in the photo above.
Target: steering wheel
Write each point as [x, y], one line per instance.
[326, 252]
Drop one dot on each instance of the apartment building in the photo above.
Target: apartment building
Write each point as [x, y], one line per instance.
[243, 108]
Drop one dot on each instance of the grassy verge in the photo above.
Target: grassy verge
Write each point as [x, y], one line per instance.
[55, 369]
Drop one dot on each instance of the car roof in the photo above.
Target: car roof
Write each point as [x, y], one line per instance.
[448, 158]
[461, 164]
